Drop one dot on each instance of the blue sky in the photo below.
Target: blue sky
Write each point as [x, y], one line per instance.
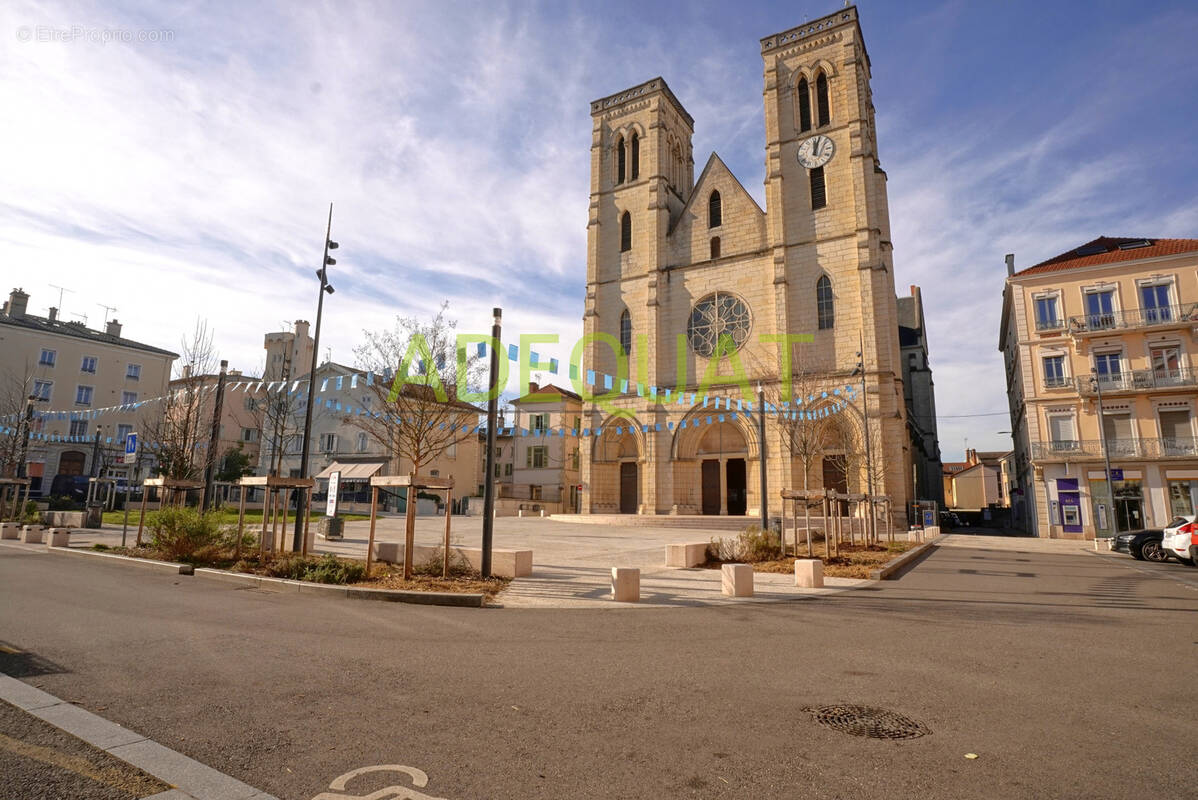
[190, 176]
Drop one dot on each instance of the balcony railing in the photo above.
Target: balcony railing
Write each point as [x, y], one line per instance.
[1137, 380]
[1135, 318]
[1118, 449]
[1049, 325]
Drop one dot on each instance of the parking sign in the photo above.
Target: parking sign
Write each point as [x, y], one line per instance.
[130, 449]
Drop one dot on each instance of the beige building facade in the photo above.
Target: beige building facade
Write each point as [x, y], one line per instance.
[84, 382]
[1099, 345]
[546, 451]
[675, 263]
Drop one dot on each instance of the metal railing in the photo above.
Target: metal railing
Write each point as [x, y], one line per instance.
[1075, 449]
[1135, 318]
[1139, 379]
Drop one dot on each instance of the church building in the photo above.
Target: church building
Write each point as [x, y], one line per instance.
[677, 265]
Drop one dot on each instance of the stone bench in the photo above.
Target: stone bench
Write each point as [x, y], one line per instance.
[737, 580]
[625, 584]
[687, 554]
[59, 537]
[809, 573]
[32, 534]
[10, 530]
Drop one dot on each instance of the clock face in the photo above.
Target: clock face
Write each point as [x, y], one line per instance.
[816, 151]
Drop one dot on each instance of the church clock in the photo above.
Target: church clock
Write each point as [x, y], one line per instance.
[816, 151]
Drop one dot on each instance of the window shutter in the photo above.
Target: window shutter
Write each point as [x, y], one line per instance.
[819, 194]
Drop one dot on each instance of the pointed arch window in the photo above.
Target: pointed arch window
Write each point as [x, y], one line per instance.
[715, 247]
[819, 191]
[822, 108]
[804, 96]
[715, 211]
[824, 306]
[620, 160]
[625, 232]
[635, 147]
[626, 332]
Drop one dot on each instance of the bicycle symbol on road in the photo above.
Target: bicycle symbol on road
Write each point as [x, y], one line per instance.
[419, 781]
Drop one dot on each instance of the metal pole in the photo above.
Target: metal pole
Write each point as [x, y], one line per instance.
[492, 415]
[869, 462]
[95, 471]
[214, 439]
[303, 470]
[765, 514]
[1106, 458]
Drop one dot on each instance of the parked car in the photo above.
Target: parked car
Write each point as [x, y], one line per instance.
[949, 520]
[1141, 545]
[1180, 539]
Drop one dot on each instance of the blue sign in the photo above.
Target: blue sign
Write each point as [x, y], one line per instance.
[1116, 474]
[929, 519]
[131, 449]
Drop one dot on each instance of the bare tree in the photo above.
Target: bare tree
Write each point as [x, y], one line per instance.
[177, 427]
[15, 389]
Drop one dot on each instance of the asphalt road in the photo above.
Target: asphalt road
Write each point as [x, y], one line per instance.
[1069, 675]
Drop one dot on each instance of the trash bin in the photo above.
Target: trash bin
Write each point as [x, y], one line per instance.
[331, 527]
[94, 516]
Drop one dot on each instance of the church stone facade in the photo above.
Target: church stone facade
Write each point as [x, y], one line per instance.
[673, 262]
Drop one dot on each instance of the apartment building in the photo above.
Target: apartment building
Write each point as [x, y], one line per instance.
[546, 448]
[82, 383]
[1098, 345]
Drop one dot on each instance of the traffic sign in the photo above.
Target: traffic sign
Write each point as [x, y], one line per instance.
[330, 509]
[130, 449]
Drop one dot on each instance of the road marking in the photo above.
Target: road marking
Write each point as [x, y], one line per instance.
[418, 777]
[1189, 584]
[12, 651]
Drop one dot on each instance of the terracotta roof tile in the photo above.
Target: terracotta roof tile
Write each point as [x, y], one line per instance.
[1106, 250]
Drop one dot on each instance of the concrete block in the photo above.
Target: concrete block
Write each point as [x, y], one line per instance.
[737, 580]
[59, 537]
[690, 554]
[625, 584]
[10, 530]
[391, 552]
[32, 534]
[504, 563]
[809, 573]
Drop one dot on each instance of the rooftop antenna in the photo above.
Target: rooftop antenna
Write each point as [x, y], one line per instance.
[61, 292]
[107, 310]
[81, 316]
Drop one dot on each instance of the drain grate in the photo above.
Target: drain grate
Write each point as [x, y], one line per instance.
[874, 723]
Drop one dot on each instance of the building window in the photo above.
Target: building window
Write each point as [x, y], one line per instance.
[1155, 303]
[538, 422]
[496, 470]
[1119, 433]
[625, 232]
[122, 433]
[534, 492]
[88, 365]
[1046, 314]
[1177, 434]
[620, 160]
[715, 247]
[1054, 371]
[507, 470]
[361, 442]
[719, 319]
[83, 395]
[715, 211]
[804, 92]
[78, 427]
[251, 404]
[249, 435]
[1166, 364]
[635, 172]
[626, 332]
[42, 389]
[819, 192]
[1100, 309]
[824, 305]
[133, 372]
[536, 457]
[1108, 367]
[128, 398]
[1061, 435]
[574, 458]
[328, 442]
[47, 358]
[822, 106]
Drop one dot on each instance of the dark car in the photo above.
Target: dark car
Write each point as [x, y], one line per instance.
[1141, 545]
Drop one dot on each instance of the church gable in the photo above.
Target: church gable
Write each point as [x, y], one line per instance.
[719, 220]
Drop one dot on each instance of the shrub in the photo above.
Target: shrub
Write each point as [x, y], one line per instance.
[750, 545]
[30, 515]
[184, 534]
[326, 569]
[62, 503]
[434, 565]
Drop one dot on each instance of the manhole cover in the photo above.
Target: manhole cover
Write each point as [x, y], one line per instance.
[874, 723]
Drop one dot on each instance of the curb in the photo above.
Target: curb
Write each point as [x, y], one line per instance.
[163, 566]
[190, 779]
[904, 561]
[348, 592]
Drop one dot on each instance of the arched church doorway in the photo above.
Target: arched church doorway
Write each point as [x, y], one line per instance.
[721, 453]
[628, 487]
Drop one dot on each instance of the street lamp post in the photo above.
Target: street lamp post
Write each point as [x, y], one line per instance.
[1096, 385]
[765, 514]
[22, 467]
[325, 288]
[869, 463]
[492, 416]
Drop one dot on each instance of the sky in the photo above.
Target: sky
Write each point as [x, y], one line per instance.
[176, 161]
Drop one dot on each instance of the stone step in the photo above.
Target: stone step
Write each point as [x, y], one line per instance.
[693, 522]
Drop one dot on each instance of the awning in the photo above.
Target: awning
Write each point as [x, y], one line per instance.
[351, 472]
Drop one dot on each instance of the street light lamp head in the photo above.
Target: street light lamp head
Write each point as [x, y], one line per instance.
[329, 261]
[328, 288]
[333, 245]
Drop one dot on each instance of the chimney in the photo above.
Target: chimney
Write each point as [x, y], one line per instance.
[53, 315]
[1010, 263]
[113, 328]
[186, 371]
[17, 304]
[533, 386]
[971, 457]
